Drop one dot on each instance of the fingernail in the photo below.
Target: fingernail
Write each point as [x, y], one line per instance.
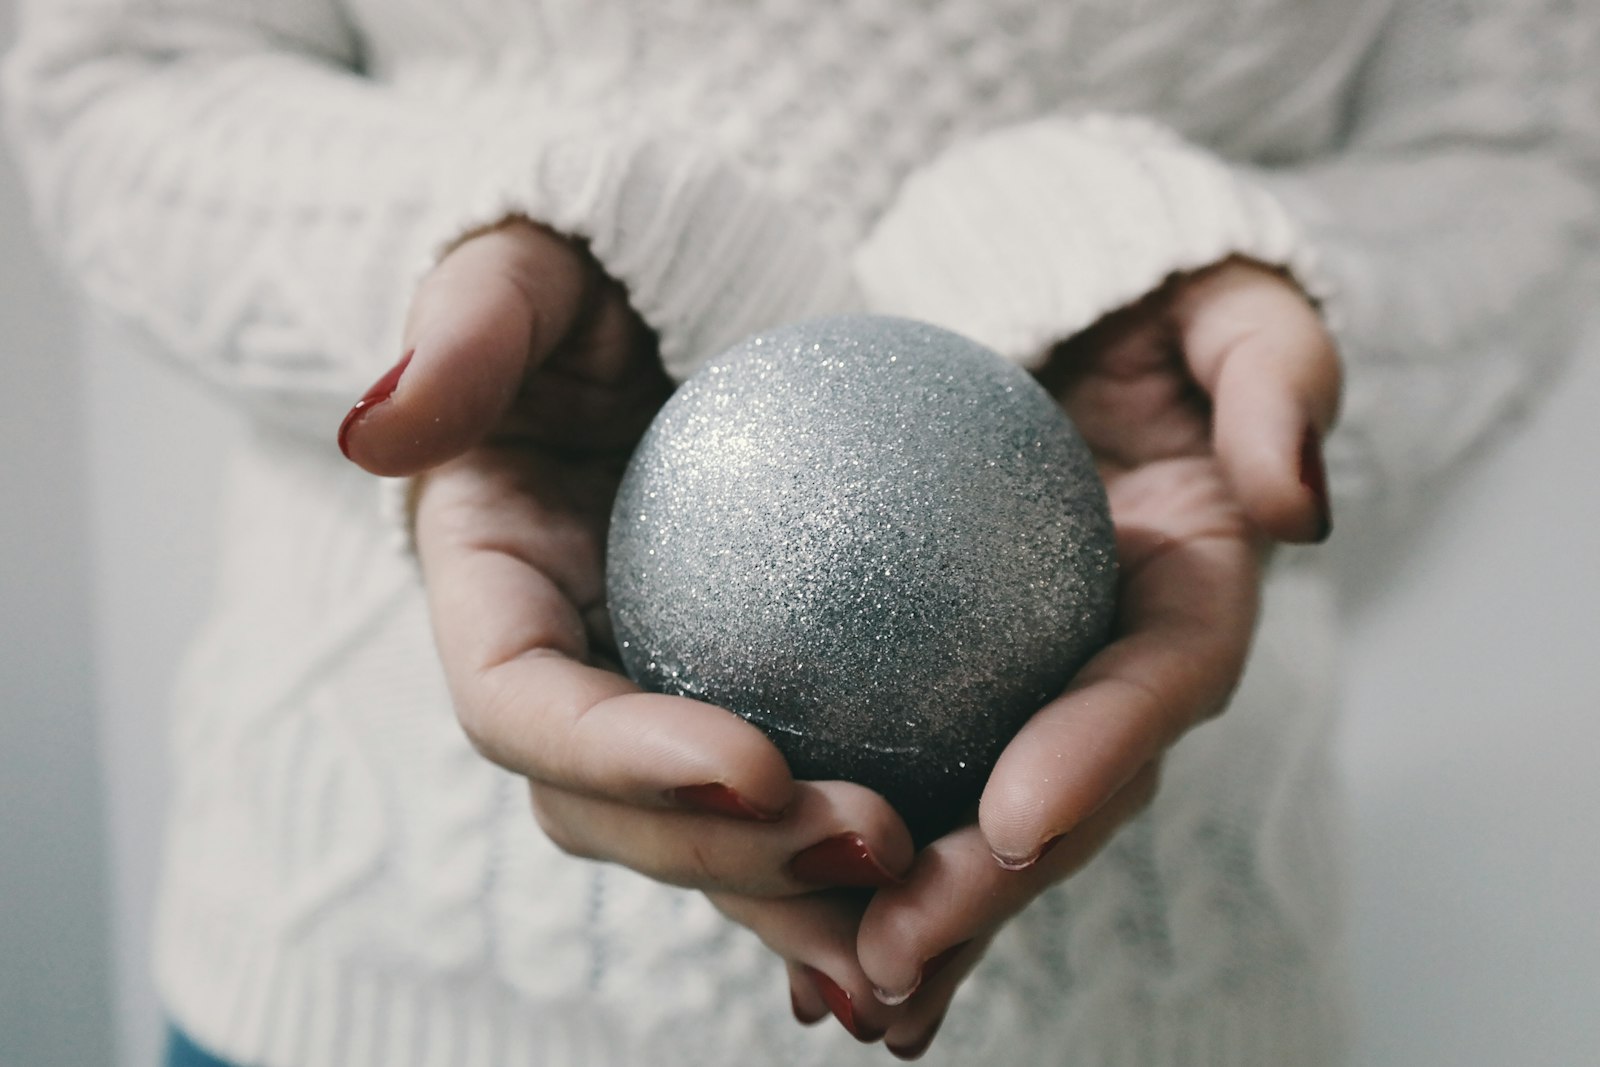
[894, 1000]
[1025, 862]
[929, 969]
[718, 799]
[842, 1005]
[1314, 476]
[803, 1017]
[381, 390]
[916, 1049]
[841, 860]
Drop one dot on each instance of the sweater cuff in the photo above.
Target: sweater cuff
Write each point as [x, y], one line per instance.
[708, 256]
[1024, 236]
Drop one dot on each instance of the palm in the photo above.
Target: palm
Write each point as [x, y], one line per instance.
[542, 483]
[1182, 534]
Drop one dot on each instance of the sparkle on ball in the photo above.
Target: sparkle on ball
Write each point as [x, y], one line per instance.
[876, 540]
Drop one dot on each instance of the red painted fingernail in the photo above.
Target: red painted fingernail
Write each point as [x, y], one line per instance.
[842, 1005]
[381, 390]
[803, 1017]
[915, 1050]
[841, 860]
[718, 799]
[929, 969]
[1314, 476]
[1024, 864]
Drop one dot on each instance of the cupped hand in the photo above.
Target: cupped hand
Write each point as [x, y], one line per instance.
[528, 383]
[1205, 405]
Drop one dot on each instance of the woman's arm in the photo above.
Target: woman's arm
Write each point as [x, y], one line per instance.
[224, 177]
[1452, 236]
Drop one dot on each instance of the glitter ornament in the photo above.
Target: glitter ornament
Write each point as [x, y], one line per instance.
[874, 539]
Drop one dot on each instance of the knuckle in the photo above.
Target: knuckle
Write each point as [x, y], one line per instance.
[699, 867]
[494, 710]
[896, 937]
[480, 718]
[547, 813]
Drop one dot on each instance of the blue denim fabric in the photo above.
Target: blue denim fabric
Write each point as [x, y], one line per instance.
[182, 1052]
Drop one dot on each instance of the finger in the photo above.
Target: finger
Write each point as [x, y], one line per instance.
[559, 722]
[924, 1008]
[912, 1035]
[497, 305]
[816, 934]
[911, 1040]
[1258, 347]
[917, 940]
[586, 730]
[1185, 614]
[599, 390]
[804, 999]
[835, 834]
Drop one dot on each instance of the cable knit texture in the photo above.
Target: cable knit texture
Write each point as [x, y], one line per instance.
[255, 187]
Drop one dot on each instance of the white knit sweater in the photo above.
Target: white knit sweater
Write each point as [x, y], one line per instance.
[254, 187]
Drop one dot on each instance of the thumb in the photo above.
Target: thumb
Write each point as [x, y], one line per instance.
[1260, 350]
[491, 311]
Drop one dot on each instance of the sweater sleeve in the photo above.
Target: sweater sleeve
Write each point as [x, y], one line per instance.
[224, 178]
[1451, 237]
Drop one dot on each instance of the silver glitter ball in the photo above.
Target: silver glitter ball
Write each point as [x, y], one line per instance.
[876, 540]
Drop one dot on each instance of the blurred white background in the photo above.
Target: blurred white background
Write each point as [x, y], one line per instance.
[1469, 742]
